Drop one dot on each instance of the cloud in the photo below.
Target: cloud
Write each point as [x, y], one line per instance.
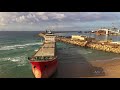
[57, 16]
[40, 17]
[29, 17]
[92, 16]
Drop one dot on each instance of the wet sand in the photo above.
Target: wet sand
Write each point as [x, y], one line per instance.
[92, 69]
[76, 65]
[111, 68]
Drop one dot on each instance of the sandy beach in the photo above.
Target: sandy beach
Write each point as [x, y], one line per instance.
[111, 69]
[92, 69]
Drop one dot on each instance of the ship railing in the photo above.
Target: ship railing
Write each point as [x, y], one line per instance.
[40, 58]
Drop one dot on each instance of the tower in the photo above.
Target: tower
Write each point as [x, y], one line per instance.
[106, 31]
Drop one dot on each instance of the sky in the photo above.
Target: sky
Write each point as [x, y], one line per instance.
[37, 21]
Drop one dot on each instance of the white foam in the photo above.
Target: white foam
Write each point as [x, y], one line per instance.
[84, 52]
[36, 50]
[20, 60]
[117, 58]
[20, 64]
[18, 46]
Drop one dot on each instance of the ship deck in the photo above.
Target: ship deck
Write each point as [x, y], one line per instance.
[48, 49]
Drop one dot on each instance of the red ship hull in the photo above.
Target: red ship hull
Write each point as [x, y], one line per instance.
[44, 69]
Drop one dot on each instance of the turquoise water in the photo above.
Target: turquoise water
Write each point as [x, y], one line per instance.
[15, 47]
[72, 51]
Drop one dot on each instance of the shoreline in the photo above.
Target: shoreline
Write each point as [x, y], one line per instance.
[89, 69]
[106, 46]
[111, 68]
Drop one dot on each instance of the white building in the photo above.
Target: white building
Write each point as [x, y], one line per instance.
[106, 30]
[78, 37]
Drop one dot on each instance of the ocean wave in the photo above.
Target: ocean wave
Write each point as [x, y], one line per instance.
[84, 52]
[18, 46]
[36, 50]
[115, 58]
[110, 59]
[19, 60]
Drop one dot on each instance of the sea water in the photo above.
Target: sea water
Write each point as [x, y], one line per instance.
[17, 46]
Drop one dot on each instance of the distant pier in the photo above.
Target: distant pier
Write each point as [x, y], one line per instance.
[106, 46]
[98, 45]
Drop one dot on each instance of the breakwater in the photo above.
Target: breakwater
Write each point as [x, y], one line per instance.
[103, 46]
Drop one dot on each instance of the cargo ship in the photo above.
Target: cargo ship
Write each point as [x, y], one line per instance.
[44, 62]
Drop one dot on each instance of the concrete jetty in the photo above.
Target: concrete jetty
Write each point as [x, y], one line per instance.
[106, 46]
[103, 46]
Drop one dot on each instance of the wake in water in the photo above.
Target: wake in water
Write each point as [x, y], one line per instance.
[19, 46]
